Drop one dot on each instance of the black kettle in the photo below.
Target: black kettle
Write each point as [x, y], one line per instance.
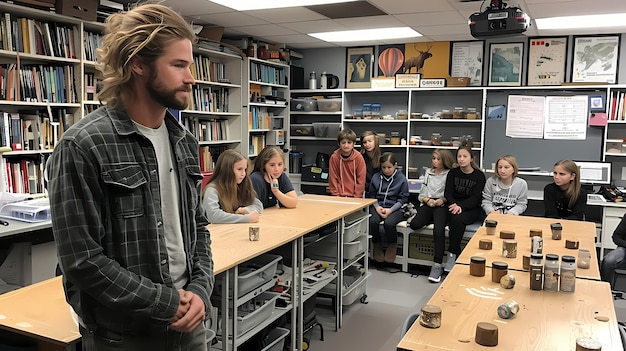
[322, 160]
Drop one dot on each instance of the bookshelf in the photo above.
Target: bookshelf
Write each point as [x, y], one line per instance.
[214, 115]
[49, 75]
[268, 91]
[42, 65]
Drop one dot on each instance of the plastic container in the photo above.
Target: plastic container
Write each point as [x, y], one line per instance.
[255, 311]
[568, 274]
[326, 130]
[551, 273]
[354, 230]
[536, 272]
[35, 210]
[303, 104]
[459, 113]
[329, 105]
[253, 274]
[376, 111]
[498, 270]
[367, 111]
[446, 114]
[471, 113]
[276, 339]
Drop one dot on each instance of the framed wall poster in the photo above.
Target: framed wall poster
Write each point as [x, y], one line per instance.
[359, 67]
[505, 64]
[467, 60]
[595, 59]
[546, 61]
[430, 59]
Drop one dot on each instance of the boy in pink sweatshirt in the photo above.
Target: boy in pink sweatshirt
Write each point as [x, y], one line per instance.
[347, 167]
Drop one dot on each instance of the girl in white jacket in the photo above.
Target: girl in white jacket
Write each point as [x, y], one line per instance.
[504, 192]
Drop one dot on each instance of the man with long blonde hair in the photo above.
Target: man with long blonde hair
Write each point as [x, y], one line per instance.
[124, 191]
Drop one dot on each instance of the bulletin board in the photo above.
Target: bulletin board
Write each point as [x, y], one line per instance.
[541, 153]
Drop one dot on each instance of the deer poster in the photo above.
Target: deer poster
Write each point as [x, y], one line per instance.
[431, 59]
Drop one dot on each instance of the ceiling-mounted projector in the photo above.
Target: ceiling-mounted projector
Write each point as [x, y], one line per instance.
[498, 20]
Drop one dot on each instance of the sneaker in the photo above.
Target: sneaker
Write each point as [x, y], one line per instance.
[450, 261]
[435, 274]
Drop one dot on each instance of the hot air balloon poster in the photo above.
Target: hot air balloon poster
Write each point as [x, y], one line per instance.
[390, 60]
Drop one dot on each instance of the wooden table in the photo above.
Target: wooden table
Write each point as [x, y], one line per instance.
[584, 232]
[40, 312]
[546, 321]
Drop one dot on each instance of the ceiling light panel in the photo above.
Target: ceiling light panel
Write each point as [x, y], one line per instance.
[367, 34]
[246, 5]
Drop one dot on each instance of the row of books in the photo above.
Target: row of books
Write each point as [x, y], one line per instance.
[38, 83]
[207, 130]
[203, 69]
[93, 85]
[209, 155]
[24, 176]
[257, 143]
[209, 99]
[259, 118]
[91, 41]
[33, 130]
[267, 74]
[37, 37]
[617, 108]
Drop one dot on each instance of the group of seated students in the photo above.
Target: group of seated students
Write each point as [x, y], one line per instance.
[454, 193]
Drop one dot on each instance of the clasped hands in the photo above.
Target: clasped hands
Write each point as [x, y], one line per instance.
[190, 312]
[383, 212]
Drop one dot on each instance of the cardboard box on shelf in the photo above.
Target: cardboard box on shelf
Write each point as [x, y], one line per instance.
[83, 9]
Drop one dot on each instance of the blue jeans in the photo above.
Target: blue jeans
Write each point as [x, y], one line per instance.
[613, 260]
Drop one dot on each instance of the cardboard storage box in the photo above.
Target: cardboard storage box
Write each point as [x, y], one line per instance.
[83, 9]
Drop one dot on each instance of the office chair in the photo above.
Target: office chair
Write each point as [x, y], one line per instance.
[408, 322]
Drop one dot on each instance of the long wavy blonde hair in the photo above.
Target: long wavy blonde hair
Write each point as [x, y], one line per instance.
[141, 32]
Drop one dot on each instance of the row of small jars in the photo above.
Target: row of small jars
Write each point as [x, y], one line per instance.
[369, 111]
[457, 113]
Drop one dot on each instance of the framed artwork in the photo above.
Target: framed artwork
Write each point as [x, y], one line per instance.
[505, 64]
[467, 60]
[431, 59]
[390, 60]
[359, 67]
[546, 60]
[595, 59]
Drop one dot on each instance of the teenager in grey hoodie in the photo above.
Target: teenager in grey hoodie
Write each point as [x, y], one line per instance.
[504, 192]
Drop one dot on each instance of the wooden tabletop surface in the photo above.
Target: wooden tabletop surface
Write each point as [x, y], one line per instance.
[41, 312]
[583, 232]
[546, 320]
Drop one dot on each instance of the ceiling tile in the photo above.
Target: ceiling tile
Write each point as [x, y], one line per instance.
[432, 18]
[267, 30]
[315, 26]
[195, 7]
[446, 29]
[227, 19]
[290, 14]
[407, 6]
[370, 22]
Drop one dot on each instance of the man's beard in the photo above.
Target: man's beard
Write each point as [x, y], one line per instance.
[168, 98]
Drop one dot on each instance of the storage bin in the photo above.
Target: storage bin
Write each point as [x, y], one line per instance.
[276, 339]
[422, 246]
[354, 230]
[326, 250]
[255, 311]
[329, 105]
[354, 293]
[301, 130]
[253, 274]
[326, 130]
[303, 104]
